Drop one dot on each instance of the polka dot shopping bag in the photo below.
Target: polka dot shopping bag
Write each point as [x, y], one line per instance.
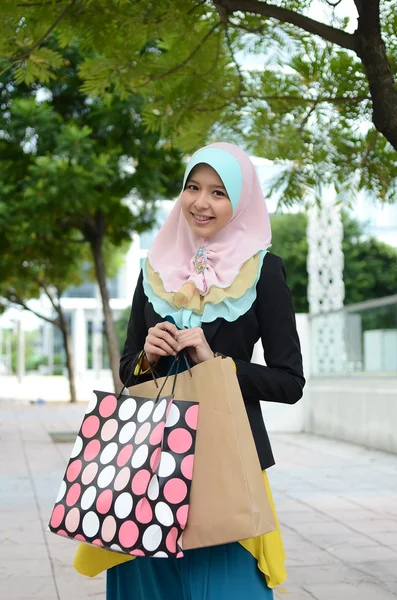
[127, 484]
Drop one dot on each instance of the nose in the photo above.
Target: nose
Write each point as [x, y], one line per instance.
[202, 202]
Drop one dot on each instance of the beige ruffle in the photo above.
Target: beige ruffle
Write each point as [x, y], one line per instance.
[189, 296]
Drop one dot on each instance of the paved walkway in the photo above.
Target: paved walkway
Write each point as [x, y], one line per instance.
[337, 505]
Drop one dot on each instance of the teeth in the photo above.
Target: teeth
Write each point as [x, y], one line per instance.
[201, 218]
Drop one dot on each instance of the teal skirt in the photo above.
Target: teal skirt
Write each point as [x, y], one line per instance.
[227, 572]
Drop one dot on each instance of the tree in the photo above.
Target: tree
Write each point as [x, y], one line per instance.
[72, 161]
[370, 267]
[29, 269]
[323, 101]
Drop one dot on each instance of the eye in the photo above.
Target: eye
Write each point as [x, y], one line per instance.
[219, 193]
[191, 186]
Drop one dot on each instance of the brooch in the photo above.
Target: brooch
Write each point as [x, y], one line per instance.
[200, 260]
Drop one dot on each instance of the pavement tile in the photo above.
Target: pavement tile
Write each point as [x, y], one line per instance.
[339, 526]
[362, 591]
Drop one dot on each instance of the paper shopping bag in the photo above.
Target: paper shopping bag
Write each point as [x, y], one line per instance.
[228, 500]
[127, 485]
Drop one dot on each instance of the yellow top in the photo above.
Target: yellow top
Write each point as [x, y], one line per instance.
[267, 549]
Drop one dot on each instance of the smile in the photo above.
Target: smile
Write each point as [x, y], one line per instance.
[202, 218]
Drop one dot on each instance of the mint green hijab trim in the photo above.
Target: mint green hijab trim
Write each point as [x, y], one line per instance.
[230, 309]
[225, 165]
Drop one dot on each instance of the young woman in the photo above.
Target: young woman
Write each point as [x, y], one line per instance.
[210, 286]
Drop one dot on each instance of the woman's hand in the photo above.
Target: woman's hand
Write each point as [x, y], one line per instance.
[195, 343]
[161, 341]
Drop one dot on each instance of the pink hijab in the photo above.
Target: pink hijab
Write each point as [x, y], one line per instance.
[173, 253]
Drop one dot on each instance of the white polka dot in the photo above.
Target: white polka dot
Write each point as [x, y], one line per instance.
[123, 505]
[127, 409]
[167, 465]
[139, 457]
[92, 404]
[88, 498]
[106, 476]
[77, 448]
[164, 514]
[173, 416]
[127, 432]
[154, 488]
[159, 411]
[108, 453]
[152, 537]
[61, 492]
[160, 554]
[90, 524]
[116, 548]
[145, 411]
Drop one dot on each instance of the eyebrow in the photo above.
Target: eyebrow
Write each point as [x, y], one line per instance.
[212, 185]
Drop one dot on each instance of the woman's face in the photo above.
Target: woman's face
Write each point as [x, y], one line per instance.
[205, 203]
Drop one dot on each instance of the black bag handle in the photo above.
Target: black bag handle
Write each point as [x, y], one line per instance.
[153, 373]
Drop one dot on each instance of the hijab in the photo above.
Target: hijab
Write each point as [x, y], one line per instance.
[194, 279]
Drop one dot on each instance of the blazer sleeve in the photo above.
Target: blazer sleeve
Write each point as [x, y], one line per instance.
[281, 380]
[136, 335]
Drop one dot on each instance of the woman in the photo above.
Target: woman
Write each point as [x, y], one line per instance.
[209, 286]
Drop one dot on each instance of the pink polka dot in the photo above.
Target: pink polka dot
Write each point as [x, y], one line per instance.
[90, 426]
[73, 494]
[137, 552]
[191, 416]
[122, 479]
[63, 533]
[104, 502]
[140, 482]
[57, 516]
[109, 430]
[170, 542]
[72, 520]
[128, 534]
[108, 530]
[143, 511]
[98, 543]
[187, 466]
[182, 514]
[142, 433]
[155, 459]
[124, 455]
[180, 440]
[80, 537]
[92, 450]
[108, 406]
[89, 473]
[175, 491]
[73, 470]
[157, 434]
[180, 555]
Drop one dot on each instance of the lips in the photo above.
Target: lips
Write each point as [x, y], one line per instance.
[202, 218]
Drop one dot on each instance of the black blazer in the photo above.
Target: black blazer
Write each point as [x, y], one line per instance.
[270, 318]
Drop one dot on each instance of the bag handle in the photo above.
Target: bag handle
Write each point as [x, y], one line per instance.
[154, 374]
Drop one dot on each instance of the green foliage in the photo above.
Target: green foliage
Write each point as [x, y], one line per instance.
[67, 163]
[307, 106]
[370, 269]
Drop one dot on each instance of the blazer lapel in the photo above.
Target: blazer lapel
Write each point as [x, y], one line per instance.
[210, 329]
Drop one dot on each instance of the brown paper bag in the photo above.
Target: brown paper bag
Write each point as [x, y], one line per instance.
[228, 500]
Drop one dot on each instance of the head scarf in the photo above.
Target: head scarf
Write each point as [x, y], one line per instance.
[179, 260]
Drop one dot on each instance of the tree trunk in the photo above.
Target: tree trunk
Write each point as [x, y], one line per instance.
[67, 344]
[110, 331]
[370, 47]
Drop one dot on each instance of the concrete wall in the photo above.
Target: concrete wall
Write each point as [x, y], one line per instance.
[361, 410]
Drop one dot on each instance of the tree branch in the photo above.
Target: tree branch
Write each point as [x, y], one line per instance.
[15, 299]
[21, 57]
[183, 63]
[331, 34]
[302, 99]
